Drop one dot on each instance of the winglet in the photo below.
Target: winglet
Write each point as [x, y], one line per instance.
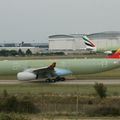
[52, 66]
[116, 55]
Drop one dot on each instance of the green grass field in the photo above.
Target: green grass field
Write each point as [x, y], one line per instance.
[37, 89]
[56, 93]
[52, 57]
[51, 117]
[52, 93]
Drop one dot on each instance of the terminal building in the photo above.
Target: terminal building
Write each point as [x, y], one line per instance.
[73, 42]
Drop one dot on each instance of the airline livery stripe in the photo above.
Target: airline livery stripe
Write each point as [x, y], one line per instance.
[88, 44]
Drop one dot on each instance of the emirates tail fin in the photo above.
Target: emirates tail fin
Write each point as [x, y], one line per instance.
[89, 44]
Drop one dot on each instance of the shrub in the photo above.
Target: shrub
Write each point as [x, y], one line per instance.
[5, 93]
[101, 90]
[21, 53]
[108, 110]
[26, 105]
[12, 104]
[28, 52]
[102, 110]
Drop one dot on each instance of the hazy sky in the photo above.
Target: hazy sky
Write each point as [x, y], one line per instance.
[35, 20]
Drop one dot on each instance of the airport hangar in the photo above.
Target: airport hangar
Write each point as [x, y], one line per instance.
[65, 42]
[103, 41]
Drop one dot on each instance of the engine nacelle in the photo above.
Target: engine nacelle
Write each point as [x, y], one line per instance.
[62, 72]
[26, 76]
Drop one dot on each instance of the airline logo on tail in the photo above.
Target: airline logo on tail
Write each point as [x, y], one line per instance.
[89, 44]
[115, 55]
[87, 41]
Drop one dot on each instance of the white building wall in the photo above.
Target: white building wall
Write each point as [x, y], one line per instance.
[107, 44]
[62, 44]
[81, 43]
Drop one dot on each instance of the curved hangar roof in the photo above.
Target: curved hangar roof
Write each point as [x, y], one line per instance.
[61, 36]
[102, 35]
[66, 36]
[105, 35]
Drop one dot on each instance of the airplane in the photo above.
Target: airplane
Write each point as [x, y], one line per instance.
[115, 55]
[108, 52]
[93, 48]
[54, 70]
[90, 46]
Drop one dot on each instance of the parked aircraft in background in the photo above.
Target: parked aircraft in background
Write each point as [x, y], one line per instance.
[110, 54]
[89, 44]
[55, 70]
[92, 47]
[115, 55]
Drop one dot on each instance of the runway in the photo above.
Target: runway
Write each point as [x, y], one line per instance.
[91, 82]
[69, 82]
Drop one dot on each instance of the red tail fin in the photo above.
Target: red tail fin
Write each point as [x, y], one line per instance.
[116, 55]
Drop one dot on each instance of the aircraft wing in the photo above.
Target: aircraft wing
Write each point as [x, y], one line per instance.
[44, 72]
[42, 69]
[51, 67]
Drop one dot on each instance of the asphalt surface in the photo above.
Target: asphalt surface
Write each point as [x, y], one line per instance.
[80, 82]
[91, 82]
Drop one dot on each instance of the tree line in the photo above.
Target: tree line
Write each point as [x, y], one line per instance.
[28, 52]
[5, 52]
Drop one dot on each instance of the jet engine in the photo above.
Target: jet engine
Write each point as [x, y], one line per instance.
[62, 72]
[26, 76]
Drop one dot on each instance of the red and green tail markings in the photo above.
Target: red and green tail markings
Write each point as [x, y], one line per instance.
[87, 41]
[115, 55]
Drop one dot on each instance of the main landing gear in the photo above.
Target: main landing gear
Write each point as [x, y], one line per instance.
[57, 79]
